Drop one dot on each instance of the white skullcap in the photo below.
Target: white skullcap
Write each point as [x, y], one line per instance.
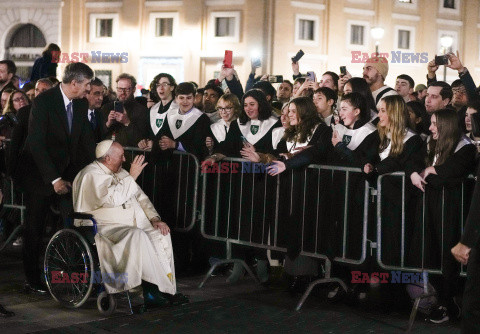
[103, 147]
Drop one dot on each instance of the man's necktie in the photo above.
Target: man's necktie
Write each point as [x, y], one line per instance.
[93, 120]
[69, 116]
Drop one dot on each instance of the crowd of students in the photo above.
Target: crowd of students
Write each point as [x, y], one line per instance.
[338, 120]
[349, 121]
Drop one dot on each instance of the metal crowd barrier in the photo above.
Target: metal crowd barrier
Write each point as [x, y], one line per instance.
[180, 174]
[406, 224]
[347, 184]
[229, 189]
[250, 209]
[12, 199]
[407, 227]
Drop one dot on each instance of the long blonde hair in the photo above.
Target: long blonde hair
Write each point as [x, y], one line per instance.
[397, 116]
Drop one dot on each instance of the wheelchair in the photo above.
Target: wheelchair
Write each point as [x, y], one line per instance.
[72, 267]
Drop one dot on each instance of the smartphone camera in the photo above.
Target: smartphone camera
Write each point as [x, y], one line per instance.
[343, 70]
[275, 78]
[297, 57]
[441, 60]
[118, 106]
[311, 76]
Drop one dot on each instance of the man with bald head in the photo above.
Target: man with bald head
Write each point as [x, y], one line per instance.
[132, 239]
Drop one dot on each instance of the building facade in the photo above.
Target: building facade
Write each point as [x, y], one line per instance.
[188, 38]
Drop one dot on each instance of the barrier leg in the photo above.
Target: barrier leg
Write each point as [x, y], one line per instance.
[222, 262]
[413, 314]
[315, 283]
[12, 236]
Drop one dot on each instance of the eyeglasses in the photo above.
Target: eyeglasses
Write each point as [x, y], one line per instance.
[163, 84]
[229, 109]
[459, 91]
[125, 90]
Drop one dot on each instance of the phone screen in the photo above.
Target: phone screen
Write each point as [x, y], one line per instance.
[118, 106]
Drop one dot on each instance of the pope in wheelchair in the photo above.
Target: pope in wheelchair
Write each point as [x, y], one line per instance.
[131, 238]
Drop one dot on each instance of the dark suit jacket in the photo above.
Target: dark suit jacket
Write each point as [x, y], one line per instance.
[54, 151]
[471, 232]
[137, 129]
[100, 131]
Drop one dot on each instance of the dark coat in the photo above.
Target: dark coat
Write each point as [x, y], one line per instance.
[51, 151]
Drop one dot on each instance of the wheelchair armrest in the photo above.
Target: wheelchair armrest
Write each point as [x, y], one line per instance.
[80, 215]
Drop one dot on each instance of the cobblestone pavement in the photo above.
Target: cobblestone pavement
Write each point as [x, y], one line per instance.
[219, 307]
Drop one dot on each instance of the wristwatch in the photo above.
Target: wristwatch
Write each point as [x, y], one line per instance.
[463, 72]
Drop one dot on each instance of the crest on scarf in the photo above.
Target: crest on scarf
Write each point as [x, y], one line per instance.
[159, 122]
[254, 129]
[346, 139]
[178, 123]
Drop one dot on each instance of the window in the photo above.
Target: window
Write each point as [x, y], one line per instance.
[306, 29]
[453, 47]
[407, 4]
[225, 26]
[103, 27]
[403, 39]
[164, 27]
[449, 7]
[357, 34]
[449, 4]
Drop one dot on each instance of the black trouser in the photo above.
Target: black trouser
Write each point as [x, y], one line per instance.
[471, 296]
[37, 207]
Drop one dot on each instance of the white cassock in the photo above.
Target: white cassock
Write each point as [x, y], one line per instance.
[126, 240]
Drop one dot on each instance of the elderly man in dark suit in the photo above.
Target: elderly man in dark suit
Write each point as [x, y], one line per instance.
[129, 123]
[59, 144]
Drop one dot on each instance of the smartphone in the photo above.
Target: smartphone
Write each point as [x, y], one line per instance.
[311, 76]
[297, 57]
[118, 106]
[227, 61]
[343, 70]
[257, 62]
[441, 60]
[275, 78]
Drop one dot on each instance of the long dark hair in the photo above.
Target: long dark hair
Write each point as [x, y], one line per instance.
[307, 120]
[419, 110]
[264, 108]
[360, 85]
[448, 137]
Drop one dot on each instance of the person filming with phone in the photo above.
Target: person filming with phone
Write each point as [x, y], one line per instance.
[127, 120]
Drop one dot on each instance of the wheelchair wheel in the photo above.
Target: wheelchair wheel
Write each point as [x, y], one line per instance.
[69, 268]
[106, 303]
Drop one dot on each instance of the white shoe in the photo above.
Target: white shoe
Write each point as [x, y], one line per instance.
[18, 242]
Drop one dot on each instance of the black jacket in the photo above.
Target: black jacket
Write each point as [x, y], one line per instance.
[51, 151]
